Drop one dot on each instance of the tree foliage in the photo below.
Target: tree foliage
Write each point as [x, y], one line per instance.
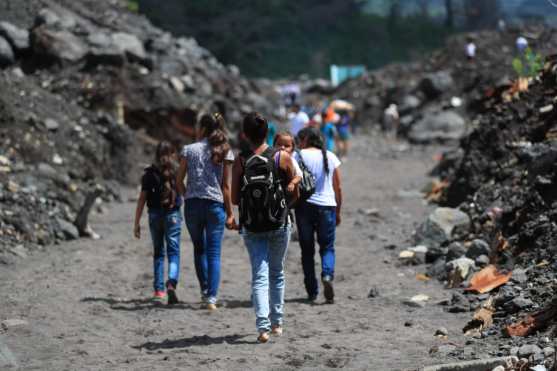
[276, 38]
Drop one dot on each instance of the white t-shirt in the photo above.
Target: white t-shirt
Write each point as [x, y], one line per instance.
[521, 43]
[297, 167]
[298, 122]
[471, 50]
[324, 193]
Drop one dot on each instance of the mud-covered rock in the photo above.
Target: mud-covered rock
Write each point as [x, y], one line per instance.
[60, 46]
[442, 126]
[7, 56]
[477, 248]
[441, 225]
[17, 37]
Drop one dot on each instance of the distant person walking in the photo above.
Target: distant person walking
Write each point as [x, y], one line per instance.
[329, 132]
[320, 214]
[298, 120]
[470, 49]
[260, 178]
[159, 191]
[343, 134]
[208, 207]
[521, 44]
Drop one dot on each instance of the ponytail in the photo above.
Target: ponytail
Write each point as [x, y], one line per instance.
[325, 160]
[213, 127]
[313, 138]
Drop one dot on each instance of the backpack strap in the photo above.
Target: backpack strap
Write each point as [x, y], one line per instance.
[299, 153]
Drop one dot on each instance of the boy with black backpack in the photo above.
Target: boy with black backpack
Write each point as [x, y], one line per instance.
[260, 179]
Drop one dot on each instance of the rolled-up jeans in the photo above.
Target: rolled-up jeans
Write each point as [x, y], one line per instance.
[165, 227]
[267, 252]
[205, 221]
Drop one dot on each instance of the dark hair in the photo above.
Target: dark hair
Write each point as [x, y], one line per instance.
[213, 127]
[168, 173]
[164, 148]
[313, 138]
[255, 128]
[284, 134]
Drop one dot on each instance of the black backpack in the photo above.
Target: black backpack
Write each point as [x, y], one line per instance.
[308, 184]
[163, 194]
[262, 199]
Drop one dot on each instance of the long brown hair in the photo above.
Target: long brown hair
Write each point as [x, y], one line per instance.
[164, 162]
[213, 128]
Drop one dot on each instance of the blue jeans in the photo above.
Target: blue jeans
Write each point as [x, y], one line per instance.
[205, 221]
[267, 251]
[321, 220]
[165, 227]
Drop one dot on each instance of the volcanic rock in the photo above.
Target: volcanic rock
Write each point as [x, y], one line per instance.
[17, 37]
[441, 225]
[443, 126]
[7, 56]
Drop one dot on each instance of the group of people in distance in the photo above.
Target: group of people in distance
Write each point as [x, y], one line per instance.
[333, 120]
[266, 182]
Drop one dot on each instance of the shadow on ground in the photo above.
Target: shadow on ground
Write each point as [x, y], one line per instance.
[204, 340]
[139, 304]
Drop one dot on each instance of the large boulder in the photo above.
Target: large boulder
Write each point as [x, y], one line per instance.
[7, 56]
[17, 37]
[61, 46]
[61, 18]
[130, 45]
[441, 226]
[435, 84]
[442, 126]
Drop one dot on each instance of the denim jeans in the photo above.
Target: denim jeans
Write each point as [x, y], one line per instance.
[205, 221]
[165, 227]
[321, 220]
[267, 251]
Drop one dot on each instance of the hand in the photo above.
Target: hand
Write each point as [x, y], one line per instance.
[291, 188]
[231, 223]
[339, 219]
[137, 231]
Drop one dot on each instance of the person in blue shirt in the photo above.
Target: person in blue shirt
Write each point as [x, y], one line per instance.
[329, 132]
[271, 133]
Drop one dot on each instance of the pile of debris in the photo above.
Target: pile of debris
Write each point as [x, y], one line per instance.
[495, 235]
[436, 96]
[87, 88]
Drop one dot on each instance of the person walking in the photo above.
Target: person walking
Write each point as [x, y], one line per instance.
[320, 214]
[159, 191]
[259, 181]
[298, 120]
[208, 207]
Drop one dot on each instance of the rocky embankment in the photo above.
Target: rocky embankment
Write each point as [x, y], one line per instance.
[437, 96]
[494, 238]
[87, 88]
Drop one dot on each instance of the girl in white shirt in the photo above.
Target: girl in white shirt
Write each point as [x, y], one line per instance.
[320, 214]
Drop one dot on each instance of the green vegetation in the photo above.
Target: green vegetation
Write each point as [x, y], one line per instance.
[277, 38]
[529, 64]
[133, 6]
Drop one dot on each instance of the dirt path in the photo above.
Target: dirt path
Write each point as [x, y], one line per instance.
[87, 307]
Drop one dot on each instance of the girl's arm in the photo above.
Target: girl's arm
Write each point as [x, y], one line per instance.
[338, 193]
[287, 164]
[180, 177]
[226, 192]
[236, 176]
[138, 213]
[293, 185]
